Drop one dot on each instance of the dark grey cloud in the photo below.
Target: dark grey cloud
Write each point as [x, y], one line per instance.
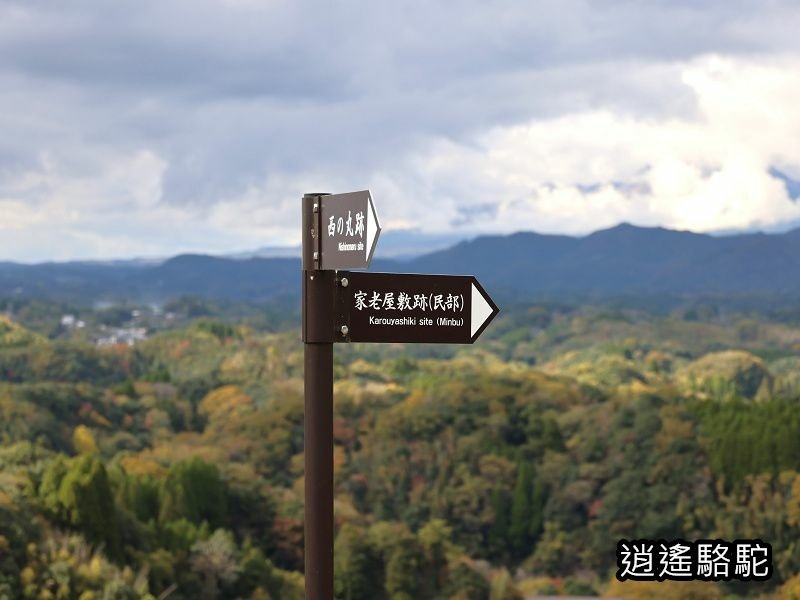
[471, 215]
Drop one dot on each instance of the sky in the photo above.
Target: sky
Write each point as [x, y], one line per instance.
[151, 128]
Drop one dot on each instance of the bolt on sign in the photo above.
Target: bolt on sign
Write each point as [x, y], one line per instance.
[349, 230]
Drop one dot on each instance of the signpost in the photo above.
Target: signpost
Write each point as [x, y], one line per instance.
[340, 232]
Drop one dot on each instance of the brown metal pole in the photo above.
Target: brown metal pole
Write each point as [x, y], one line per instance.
[318, 323]
[319, 471]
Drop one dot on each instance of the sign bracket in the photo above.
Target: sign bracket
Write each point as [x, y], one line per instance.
[318, 286]
[316, 232]
[341, 308]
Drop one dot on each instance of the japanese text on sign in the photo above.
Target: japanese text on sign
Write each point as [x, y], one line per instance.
[342, 226]
[404, 301]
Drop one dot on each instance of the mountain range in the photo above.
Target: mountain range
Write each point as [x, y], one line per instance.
[623, 260]
[397, 245]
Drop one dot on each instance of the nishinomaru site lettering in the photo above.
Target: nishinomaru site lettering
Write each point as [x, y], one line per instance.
[344, 247]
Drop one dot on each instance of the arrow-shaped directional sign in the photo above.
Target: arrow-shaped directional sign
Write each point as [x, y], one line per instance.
[395, 307]
[349, 230]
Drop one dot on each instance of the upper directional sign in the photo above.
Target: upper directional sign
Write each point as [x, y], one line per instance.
[350, 231]
[395, 307]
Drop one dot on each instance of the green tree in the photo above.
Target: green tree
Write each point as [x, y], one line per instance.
[499, 533]
[521, 512]
[403, 580]
[467, 584]
[538, 501]
[139, 495]
[435, 538]
[193, 490]
[119, 590]
[358, 568]
[78, 493]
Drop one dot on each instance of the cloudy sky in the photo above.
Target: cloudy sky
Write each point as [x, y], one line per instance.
[147, 128]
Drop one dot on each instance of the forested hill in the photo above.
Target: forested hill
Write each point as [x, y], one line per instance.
[174, 468]
[622, 260]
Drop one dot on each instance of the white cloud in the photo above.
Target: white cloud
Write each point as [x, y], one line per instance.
[705, 171]
[579, 172]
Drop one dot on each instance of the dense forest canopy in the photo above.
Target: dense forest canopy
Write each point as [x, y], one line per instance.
[173, 467]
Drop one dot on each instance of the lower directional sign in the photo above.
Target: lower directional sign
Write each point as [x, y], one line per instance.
[394, 307]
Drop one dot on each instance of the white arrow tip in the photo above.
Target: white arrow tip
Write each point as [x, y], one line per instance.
[481, 310]
[372, 227]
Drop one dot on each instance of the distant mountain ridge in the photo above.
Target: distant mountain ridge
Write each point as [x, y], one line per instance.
[625, 259]
[630, 259]
[397, 245]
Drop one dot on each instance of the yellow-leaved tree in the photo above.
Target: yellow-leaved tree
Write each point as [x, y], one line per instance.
[83, 440]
